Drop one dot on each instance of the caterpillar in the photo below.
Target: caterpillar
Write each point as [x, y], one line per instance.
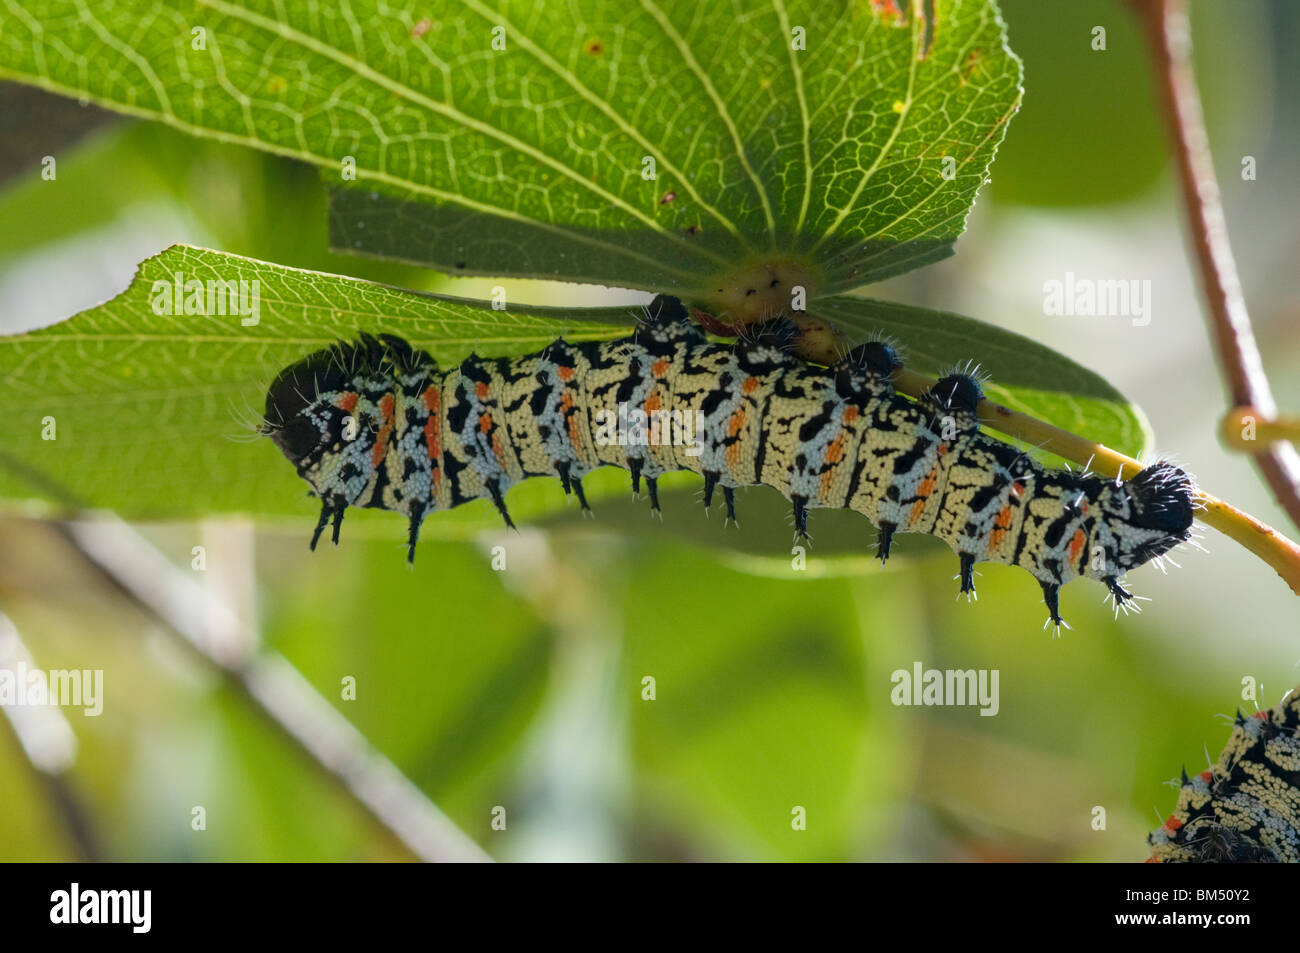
[374, 423]
[1246, 808]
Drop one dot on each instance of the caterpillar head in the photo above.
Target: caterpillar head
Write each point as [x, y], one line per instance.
[326, 412]
[1142, 518]
[1213, 843]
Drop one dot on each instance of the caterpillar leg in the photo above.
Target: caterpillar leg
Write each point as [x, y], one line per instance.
[572, 485]
[884, 539]
[967, 574]
[325, 512]
[494, 488]
[1052, 596]
[710, 481]
[413, 535]
[1121, 594]
[801, 517]
[652, 487]
[576, 483]
[1123, 599]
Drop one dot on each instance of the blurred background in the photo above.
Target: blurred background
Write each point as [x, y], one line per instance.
[523, 690]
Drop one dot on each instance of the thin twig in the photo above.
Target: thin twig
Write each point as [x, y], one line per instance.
[49, 746]
[1246, 429]
[274, 689]
[1168, 32]
[821, 342]
[1258, 537]
[1254, 534]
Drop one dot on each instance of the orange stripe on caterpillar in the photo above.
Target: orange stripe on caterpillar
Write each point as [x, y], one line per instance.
[385, 430]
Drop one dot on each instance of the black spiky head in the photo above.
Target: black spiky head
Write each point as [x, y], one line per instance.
[1214, 843]
[297, 388]
[307, 403]
[1141, 519]
[1162, 497]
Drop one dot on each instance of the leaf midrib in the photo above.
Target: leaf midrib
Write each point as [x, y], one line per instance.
[612, 114]
[451, 113]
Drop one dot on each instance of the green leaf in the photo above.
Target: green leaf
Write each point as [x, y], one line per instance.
[1025, 375]
[815, 135]
[245, 202]
[154, 415]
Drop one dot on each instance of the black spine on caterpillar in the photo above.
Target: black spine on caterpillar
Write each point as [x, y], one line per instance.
[375, 423]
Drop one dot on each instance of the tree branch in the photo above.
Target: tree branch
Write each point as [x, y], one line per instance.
[1258, 537]
[1168, 34]
[274, 689]
[49, 746]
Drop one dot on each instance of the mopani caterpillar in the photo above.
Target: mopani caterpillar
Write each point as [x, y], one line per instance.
[375, 423]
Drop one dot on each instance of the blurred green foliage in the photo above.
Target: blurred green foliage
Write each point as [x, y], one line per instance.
[771, 692]
[1089, 132]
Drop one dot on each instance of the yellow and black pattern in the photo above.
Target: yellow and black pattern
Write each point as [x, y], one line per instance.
[1246, 808]
[375, 423]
